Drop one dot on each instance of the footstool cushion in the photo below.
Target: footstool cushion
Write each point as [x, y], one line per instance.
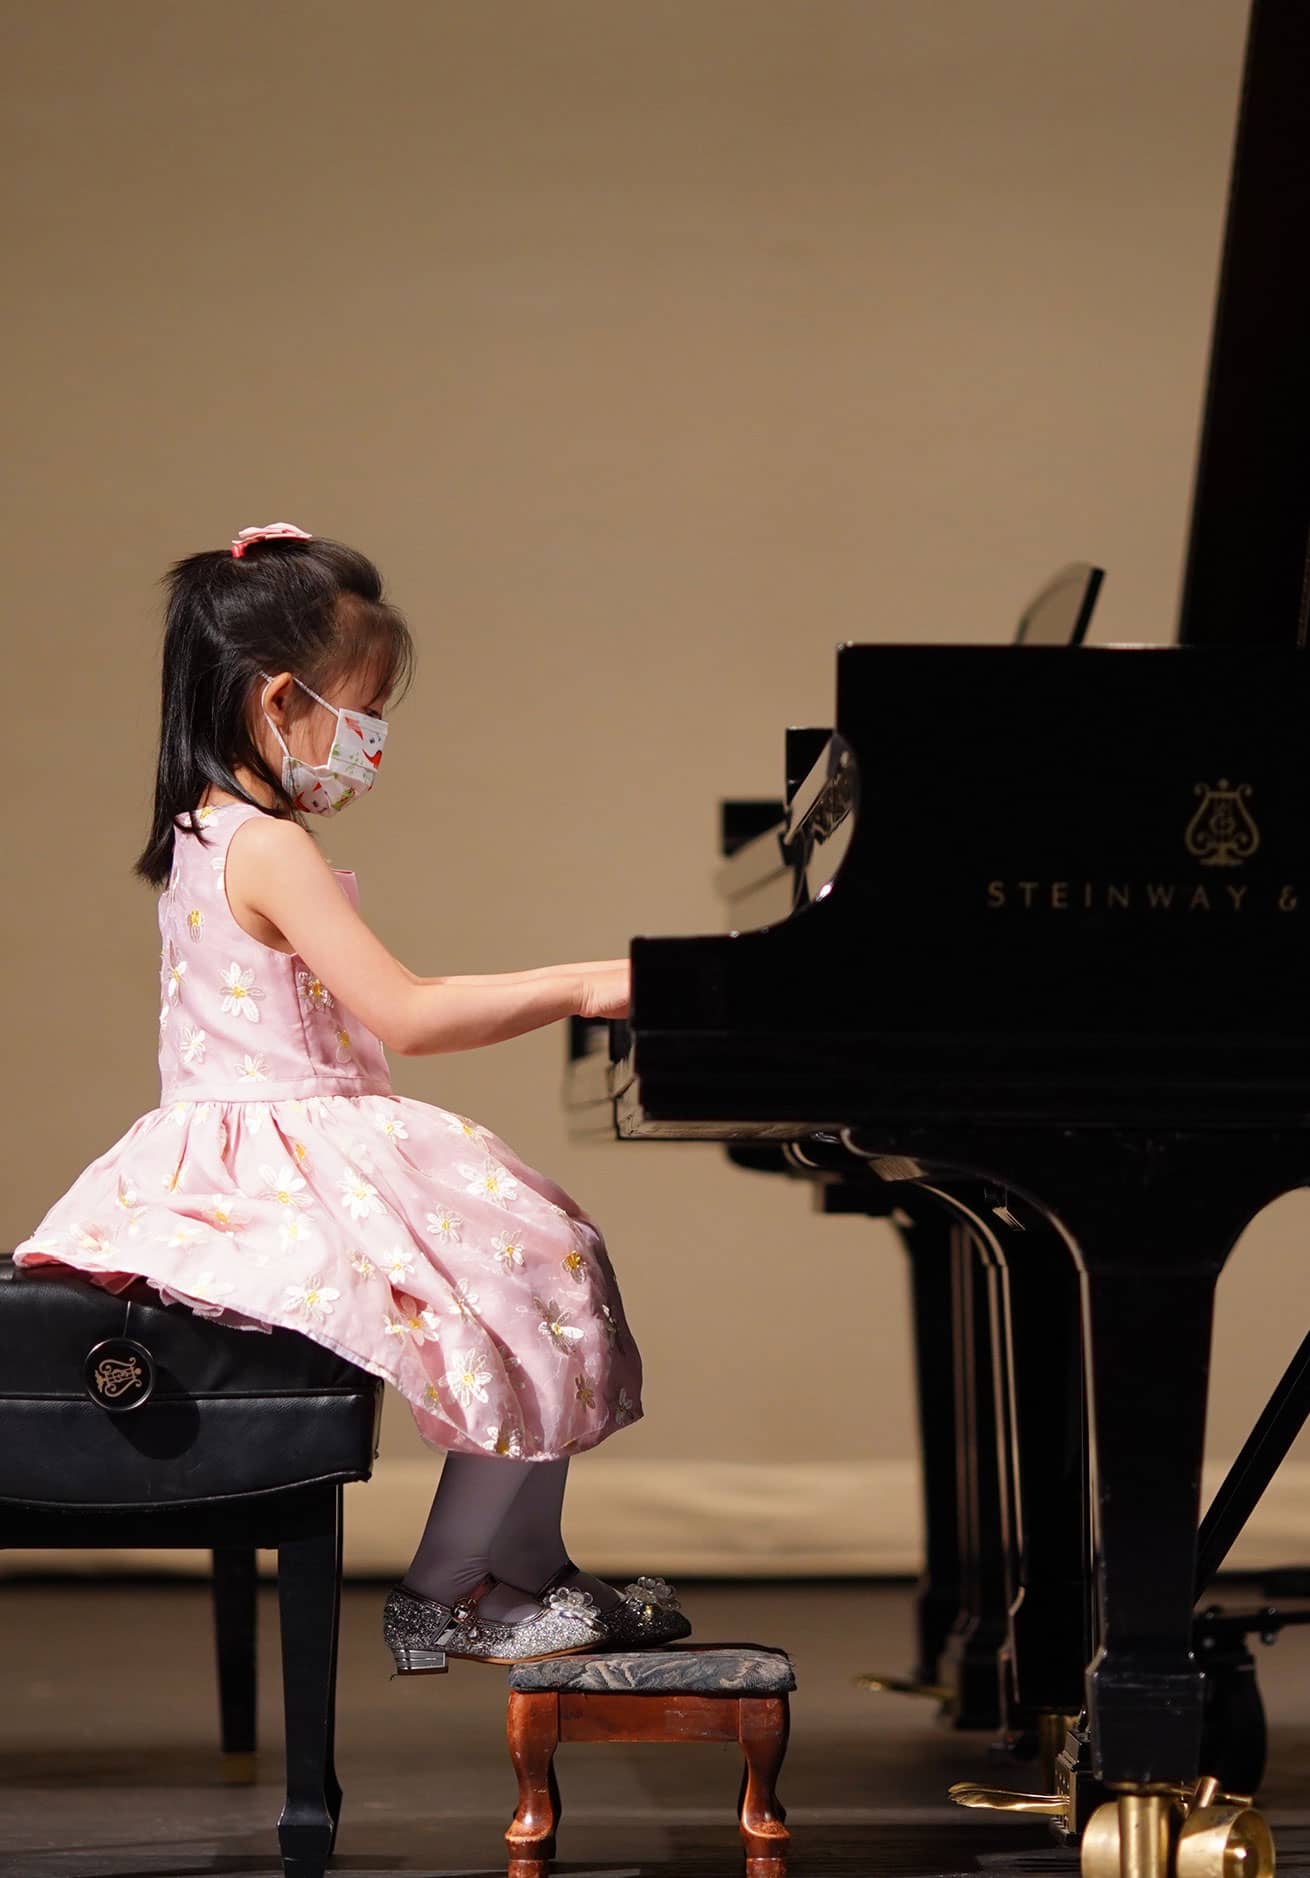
[730, 1670]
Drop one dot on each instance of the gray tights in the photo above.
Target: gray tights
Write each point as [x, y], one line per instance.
[492, 1513]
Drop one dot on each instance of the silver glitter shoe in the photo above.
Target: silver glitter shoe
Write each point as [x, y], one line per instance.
[647, 1614]
[422, 1633]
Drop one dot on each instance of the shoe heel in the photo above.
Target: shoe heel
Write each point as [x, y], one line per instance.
[420, 1662]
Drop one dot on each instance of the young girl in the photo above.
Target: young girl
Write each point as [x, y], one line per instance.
[282, 1182]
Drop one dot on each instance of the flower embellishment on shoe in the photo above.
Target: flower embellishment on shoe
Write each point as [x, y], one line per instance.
[569, 1601]
[653, 1590]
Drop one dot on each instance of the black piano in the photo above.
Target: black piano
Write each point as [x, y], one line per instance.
[1019, 957]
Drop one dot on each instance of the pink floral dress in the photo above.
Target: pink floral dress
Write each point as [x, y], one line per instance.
[282, 1182]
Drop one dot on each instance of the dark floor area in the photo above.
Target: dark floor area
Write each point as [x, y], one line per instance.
[109, 1765]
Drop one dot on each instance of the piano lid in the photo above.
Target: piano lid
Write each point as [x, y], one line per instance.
[1246, 576]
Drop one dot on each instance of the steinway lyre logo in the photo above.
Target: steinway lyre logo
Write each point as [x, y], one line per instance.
[114, 1376]
[1222, 832]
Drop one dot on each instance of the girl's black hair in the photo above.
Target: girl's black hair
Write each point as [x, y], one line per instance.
[313, 607]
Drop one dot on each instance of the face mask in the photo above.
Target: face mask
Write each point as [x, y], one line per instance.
[352, 762]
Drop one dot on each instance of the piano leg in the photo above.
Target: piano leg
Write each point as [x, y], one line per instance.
[977, 1637]
[927, 1240]
[1049, 1612]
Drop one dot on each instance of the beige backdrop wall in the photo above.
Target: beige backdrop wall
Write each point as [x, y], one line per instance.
[652, 347]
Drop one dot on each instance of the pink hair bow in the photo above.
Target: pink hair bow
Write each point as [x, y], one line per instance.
[275, 531]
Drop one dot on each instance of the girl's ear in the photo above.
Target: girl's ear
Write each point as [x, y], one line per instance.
[273, 692]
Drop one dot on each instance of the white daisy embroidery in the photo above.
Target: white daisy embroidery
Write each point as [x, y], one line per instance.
[503, 1440]
[176, 972]
[461, 1125]
[251, 1068]
[255, 1114]
[624, 1408]
[610, 1326]
[223, 1214]
[416, 1324]
[312, 1299]
[491, 1181]
[294, 1230]
[363, 1264]
[90, 1237]
[575, 1266]
[391, 1124]
[193, 1044]
[466, 1301]
[445, 1225]
[345, 1048]
[285, 1185]
[507, 1249]
[555, 1326]
[431, 1396]
[127, 1195]
[397, 1264]
[468, 1378]
[241, 994]
[360, 1195]
[205, 814]
[183, 1234]
[195, 923]
[179, 1112]
[313, 991]
[584, 1391]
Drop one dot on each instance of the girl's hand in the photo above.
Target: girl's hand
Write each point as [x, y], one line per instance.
[606, 988]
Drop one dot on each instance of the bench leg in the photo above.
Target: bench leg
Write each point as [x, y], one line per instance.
[763, 1724]
[533, 1729]
[309, 1590]
[234, 1640]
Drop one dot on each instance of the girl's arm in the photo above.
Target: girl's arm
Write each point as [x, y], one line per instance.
[276, 873]
[499, 978]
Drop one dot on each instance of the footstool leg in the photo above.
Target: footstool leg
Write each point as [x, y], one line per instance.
[533, 1729]
[763, 1724]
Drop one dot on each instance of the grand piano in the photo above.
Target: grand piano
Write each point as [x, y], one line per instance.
[1017, 958]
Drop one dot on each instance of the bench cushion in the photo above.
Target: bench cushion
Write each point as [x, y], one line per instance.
[232, 1412]
[729, 1669]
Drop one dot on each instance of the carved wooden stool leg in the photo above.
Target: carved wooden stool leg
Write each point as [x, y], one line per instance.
[763, 1724]
[533, 1730]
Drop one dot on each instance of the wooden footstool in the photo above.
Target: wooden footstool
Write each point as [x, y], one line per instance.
[687, 1692]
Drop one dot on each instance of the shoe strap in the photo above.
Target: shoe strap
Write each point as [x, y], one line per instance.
[464, 1607]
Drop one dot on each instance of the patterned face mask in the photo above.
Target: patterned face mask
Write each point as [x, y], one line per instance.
[352, 762]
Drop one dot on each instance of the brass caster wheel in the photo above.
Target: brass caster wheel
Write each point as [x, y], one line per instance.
[1128, 1837]
[1225, 1842]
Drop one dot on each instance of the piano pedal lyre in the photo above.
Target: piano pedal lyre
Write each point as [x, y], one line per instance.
[1165, 1832]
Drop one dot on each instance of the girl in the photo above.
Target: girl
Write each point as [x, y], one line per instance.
[282, 1182]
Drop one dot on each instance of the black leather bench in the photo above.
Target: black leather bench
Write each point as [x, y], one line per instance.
[125, 1421]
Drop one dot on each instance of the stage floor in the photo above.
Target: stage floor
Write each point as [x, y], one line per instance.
[109, 1766]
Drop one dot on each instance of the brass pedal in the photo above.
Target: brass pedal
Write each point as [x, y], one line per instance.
[1001, 1800]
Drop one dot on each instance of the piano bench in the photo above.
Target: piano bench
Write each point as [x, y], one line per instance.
[125, 1421]
[687, 1692]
